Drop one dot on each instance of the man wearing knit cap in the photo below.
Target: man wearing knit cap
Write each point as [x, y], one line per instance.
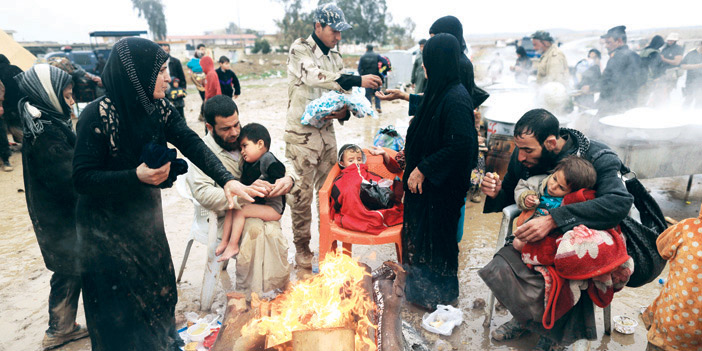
[315, 67]
[622, 77]
[552, 66]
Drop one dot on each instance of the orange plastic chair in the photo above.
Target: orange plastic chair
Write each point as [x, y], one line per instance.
[330, 233]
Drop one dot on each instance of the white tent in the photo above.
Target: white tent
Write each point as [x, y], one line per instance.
[14, 52]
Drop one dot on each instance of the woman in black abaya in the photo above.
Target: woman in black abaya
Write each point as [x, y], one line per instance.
[441, 150]
[129, 287]
[449, 25]
[47, 153]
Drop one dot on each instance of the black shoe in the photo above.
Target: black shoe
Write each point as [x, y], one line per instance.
[508, 331]
[546, 344]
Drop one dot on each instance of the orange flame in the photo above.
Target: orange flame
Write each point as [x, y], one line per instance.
[331, 299]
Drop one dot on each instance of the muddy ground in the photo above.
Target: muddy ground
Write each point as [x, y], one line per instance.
[24, 281]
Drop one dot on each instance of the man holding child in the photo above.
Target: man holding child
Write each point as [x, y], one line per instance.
[541, 144]
[261, 263]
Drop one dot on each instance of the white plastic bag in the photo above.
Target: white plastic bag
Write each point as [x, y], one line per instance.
[443, 320]
[331, 101]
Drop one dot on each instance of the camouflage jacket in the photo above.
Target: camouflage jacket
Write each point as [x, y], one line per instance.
[552, 67]
[311, 73]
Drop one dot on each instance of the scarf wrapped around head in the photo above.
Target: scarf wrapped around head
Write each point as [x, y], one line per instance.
[132, 116]
[43, 85]
[440, 57]
[450, 25]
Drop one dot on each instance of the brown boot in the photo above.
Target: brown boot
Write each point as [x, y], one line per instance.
[54, 340]
[303, 258]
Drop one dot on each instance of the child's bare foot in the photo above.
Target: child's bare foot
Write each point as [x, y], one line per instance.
[221, 247]
[230, 252]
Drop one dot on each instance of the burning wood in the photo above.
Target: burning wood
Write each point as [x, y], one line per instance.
[334, 310]
[335, 298]
[236, 315]
[338, 339]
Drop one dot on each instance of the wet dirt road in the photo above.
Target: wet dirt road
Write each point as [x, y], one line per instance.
[24, 281]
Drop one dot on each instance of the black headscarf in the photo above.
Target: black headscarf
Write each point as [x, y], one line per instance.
[129, 78]
[656, 42]
[12, 95]
[521, 52]
[43, 85]
[440, 57]
[450, 25]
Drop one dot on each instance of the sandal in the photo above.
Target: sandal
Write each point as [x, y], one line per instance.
[508, 331]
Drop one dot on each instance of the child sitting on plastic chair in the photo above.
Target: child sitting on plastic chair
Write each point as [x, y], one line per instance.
[259, 163]
[348, 207]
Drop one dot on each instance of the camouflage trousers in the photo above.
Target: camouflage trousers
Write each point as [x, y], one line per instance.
[311, 167]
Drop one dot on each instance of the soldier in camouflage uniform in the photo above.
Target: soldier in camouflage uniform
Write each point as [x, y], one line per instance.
[552, 66]
[314, 67]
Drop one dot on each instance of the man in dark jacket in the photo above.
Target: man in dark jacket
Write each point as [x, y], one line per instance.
[4, 144]
[590, 80]
[9, 120]
[368, 64]
[622, 77]
[174, 66]
[540, 144]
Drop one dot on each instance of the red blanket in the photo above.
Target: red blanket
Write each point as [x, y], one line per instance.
[581, 259]
[349, 212]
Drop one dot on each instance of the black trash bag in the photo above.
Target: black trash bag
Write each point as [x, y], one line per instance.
[375, 197]
[641, 237]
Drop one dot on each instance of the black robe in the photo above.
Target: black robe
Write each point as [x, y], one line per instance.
[129, 288]
[445, 151]
[47, 153]
[51, 199]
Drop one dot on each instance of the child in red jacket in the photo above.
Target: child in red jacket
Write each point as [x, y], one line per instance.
[348, 210]
[212, 87]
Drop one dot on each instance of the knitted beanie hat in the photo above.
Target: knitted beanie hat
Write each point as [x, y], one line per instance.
[353, 147]
[584, 253]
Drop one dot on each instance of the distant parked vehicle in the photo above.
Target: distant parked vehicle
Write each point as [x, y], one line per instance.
[85, 59]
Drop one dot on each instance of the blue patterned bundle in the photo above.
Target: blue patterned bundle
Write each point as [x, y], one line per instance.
[331, 101]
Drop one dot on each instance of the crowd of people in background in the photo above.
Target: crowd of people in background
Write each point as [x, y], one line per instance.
[629, 79]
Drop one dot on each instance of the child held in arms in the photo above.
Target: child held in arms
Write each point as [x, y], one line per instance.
[539, 194]
[259, 163]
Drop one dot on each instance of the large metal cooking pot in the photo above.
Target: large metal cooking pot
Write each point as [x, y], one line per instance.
[643, 124]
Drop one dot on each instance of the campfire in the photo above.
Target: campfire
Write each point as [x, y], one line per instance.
[334, 298]
[344, 307]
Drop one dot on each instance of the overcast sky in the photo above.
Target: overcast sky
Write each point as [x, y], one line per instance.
[71, 20]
